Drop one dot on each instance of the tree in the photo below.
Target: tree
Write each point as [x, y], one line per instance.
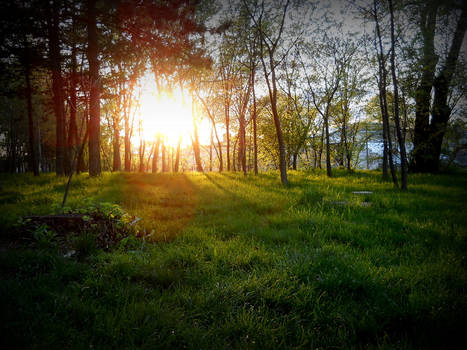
[329, 59]
[429, 133]
[269, 40]
[94, 97]
[400, 138]
[382, 85]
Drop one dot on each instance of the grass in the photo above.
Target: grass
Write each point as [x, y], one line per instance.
[241, 262]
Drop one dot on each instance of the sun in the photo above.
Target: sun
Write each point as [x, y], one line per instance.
[167, 114]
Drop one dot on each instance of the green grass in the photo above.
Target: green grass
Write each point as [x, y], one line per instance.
[245, 263]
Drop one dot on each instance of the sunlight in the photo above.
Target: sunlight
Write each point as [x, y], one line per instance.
[166, 114]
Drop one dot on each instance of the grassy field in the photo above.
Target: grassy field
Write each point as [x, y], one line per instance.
[244, 263]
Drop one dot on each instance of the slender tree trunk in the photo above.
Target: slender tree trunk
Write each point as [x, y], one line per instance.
[57, 86]
[242, 131]
[117, 162]
[81, 166]
[177, 157]
[389, 139]
[155, 156]
[210, 150]
[142, 150]
[213, 127]
[255, 132]
[385, 135]
[195, 139]
[32, 126]
[321, 147]
[396, 104]
[227, 134]
[127, 142]
[73, 142]
[383, 96]
[328, 146]
[367, 150]
[272, 89]
[164, 167]
[234, 155]
[94, 111]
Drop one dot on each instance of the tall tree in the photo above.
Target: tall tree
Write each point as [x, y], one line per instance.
[382, 85]
[94, 102]
[53, 26]
[269, 42]
[156, 154]
[428, 134]
[400, 138]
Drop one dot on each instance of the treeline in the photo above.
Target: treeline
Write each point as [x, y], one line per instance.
[283, 84]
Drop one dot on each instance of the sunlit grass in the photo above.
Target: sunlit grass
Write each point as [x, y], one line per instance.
[246, 263]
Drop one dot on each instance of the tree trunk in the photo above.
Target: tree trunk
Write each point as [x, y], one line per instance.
[164, 168]
[227, 134]
[441, 109]
[328, 146]
[73, 142]
[423, 93]
[155, 156]
[57, 86]
[396, 104]
[127, 143]
[272, 89]
[177, 157]
[32, 126]
[94, 103]
[383, 96]
[255, 137]
[242, 131]
[210, 150]
[195, 139]
[81, 166]
[117, 162]
[142, 150]
[385, 137]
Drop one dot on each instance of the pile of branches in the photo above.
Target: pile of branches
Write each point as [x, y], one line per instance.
[107, 222]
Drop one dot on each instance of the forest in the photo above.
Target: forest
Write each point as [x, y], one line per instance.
[235, 86]
[233, 174]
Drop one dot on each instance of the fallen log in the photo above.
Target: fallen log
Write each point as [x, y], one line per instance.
[61, 224]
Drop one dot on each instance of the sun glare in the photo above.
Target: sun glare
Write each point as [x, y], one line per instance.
[168, 115]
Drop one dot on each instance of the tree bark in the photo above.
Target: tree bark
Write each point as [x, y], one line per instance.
[94, 103]
[396, 104]
[195, 139]
[164, 166]
[73, 142]
[423, 92]
[117, 162]
[272, 89]
[441, 110]
[155, 156]
[32, 126]
[142, 150]
[57, 86]
[254, 116]
[383, 96]
[210, 150]
[177, 157]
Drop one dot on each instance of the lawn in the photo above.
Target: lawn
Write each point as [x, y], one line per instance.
[242, 262]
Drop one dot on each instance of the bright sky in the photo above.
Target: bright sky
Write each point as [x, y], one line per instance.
[169, 114]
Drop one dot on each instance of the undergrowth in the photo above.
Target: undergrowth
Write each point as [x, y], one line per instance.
[242, 262]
